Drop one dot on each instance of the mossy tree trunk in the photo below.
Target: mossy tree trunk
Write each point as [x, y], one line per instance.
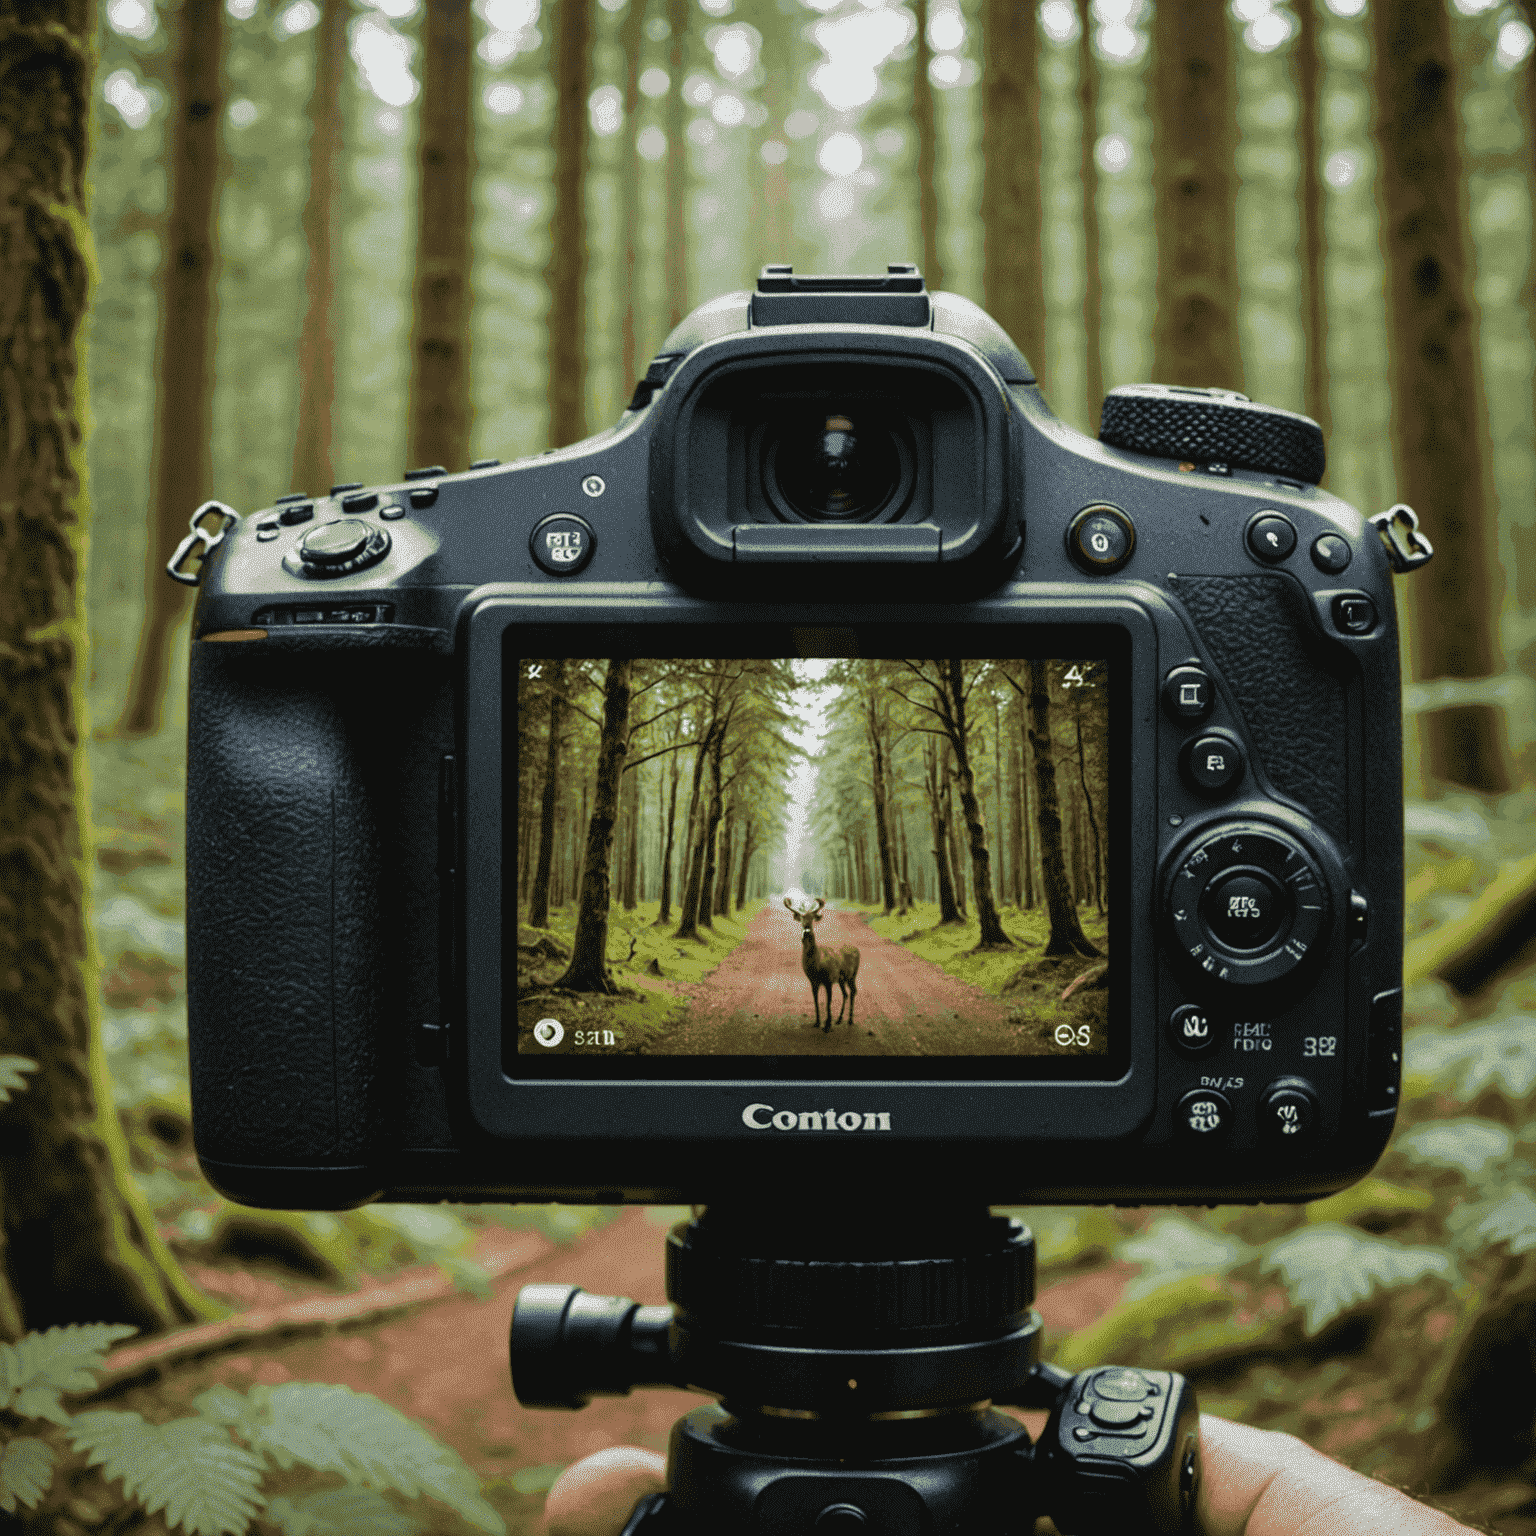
[1013, 272]
[439, 399]
[77, 1242]
[588, 970]
[565, 275]
[1194, 184]
[927, 167]
[312, 468]
[182, 452]
[1439, 421]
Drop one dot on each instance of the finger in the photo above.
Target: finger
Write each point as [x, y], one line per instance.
[1260, 1483]
[594, 1496]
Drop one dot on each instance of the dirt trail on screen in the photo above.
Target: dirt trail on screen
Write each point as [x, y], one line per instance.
[757, 1002]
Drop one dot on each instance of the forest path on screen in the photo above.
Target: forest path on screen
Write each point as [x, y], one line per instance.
[757, 1002]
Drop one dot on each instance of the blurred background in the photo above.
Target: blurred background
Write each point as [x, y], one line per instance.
[334, 239]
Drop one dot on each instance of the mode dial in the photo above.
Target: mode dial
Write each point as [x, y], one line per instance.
[1247, 904]
[1208, 427]
[337, 549]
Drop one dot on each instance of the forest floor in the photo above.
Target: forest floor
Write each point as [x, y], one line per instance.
[445, 1363]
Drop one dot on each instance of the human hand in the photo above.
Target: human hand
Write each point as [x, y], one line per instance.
[1256, 1483]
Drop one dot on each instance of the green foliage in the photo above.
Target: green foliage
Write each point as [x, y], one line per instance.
[1329, 1268]
[13, 1070]
[189, 1468]
[205, 1471]
[37, 1369]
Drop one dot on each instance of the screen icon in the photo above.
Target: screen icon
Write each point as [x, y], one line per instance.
[549, 1033]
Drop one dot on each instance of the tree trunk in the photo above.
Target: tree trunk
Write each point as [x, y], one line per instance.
[588, 970]
[1013, 273]
[1093, 820]
[1439, 425]
[748, 848]
[957, 867]
[877, 786]
[688, 919]
[565, 274]
[317, 341]
[712, 828]
[1088, 179]
[676, 250]
[1067, 937]
[1016, 794]
[666, 857]
[1031, 841]
[992, 935]
[183, 463]
[631, 44]
[439, 399]
[727, 864]
[937, 787]
[927, 140]
[631, 838]
[1307, 71]
[78, 1242]
[776, 61]
[538, 907]
[1194, 180]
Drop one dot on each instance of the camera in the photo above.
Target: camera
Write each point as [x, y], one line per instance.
[815, 483]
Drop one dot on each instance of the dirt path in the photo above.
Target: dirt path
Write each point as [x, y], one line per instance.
[757, 1002]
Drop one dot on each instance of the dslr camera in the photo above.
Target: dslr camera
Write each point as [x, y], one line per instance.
[837, 517]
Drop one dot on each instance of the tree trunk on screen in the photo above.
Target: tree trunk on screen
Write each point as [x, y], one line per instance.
[1088, 180]
[956, 864]
[317, 341]
[955, 707]
[588, 970]
[748, 848]
[693, 850]
[1067, 937]
[1307, 70]
[666, 858]
[565, 274]
[439, 399]
[631, 837]
[934, 784]
[676, 249]
[78, 1242]
[1095, 855]
[927, 152]
[1439, 425]
[182, 452]
[1013, 273]
[711, 834]
[875, 730]
[1193, 97]
[538, 906]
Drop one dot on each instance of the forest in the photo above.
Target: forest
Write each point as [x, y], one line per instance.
[268, 245]
[696, 789]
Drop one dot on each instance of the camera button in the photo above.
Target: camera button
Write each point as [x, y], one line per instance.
[1101, 539]
[562, 544]
[1114, 1415]
[1121, 1386]
[331, 543]
[1245, 911]
[300, 512]
[1187, 693]
[1354, 613]
[1288, 1111]
[1192, 1032]
[1331, 554]
[1204, 1115]
[1271, 537]
[1212, 764]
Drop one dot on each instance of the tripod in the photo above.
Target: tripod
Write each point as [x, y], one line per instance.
[858, 1356]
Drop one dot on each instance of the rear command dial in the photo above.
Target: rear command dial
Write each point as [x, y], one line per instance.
[1247, 904]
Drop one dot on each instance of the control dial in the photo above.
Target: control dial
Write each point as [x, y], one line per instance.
[1206, 427]
[1247, 904]
[337, 549]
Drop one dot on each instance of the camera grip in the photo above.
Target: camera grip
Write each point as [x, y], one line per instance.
[283, 913]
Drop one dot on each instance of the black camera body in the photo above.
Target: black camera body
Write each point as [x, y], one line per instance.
[350, 932]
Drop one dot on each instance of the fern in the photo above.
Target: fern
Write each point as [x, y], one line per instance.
[1174, 1248]
[1327, 1269]
[1499, 1053]
[190, 1468]
[37, 1369]
[13, 1070]
[26, 1470]
[1466, 1144]
[340, 1512]
[334, 1429]
[1508, 1217]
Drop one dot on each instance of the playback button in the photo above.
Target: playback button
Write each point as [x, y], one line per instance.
[562, 544]
[1288, 1112]
[1192, 1032]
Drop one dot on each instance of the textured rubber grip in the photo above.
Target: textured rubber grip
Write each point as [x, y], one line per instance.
[1213, 426]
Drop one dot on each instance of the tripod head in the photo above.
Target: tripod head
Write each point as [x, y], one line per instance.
[859, 1356]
